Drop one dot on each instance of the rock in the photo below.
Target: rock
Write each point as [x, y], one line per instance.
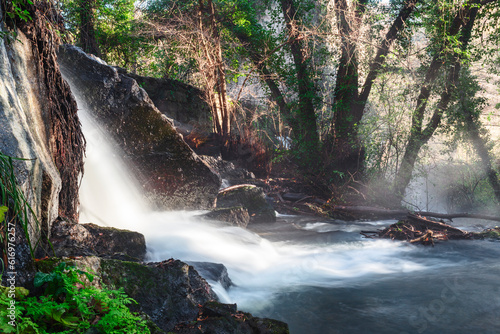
[218, 318]
[182, 102]
[250, 197]
[235, 216]
[172, 175]
[169, 292]
[216, 272]
[70, 239]
[31, 108]
[227, 170]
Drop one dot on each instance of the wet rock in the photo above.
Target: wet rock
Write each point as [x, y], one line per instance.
[250, 197]
[70, 239]
[172, 175]
[216, 272]
[218, 318]
[235, 216]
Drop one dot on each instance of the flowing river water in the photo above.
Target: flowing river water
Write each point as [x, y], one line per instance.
[318, 276]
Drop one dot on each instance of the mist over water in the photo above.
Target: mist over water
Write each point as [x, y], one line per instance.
[320, 277]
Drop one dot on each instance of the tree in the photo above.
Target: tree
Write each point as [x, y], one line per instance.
[459, 31]
[87, 34]
[342, 142]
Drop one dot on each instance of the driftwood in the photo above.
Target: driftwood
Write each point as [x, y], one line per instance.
[367, 212]
[416, 229]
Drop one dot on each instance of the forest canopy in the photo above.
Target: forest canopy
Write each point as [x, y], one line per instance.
[353, 93]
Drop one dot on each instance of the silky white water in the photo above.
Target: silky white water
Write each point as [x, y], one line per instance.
[110, 196]
[300, 261]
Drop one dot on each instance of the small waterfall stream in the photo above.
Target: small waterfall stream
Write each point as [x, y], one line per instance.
[320, 277]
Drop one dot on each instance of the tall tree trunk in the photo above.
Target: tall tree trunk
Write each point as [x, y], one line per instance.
[418, 136]
[88, 40]
[306, 136]
[342, 143]
[214, 73]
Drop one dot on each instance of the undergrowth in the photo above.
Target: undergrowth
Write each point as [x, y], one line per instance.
[19, 211]
[70, 304]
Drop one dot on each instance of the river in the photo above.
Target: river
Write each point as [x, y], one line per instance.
[318, 276]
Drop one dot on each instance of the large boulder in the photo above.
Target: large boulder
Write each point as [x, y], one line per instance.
[249, 197]
[184, 103]
[72, 239]
[171, 174]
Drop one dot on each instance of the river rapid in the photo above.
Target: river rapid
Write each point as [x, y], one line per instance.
[318, 276]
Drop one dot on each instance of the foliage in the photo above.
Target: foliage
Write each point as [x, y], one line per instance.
[69, 304]
[12, 197]
[14, 9]
[115, 29]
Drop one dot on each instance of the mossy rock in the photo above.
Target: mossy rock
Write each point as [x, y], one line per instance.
[169, 292]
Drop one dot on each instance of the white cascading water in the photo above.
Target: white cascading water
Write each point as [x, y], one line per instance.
[260, 268]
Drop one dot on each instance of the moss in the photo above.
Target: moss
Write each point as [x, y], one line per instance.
[47, 265]
[19, 292]
[492, 233]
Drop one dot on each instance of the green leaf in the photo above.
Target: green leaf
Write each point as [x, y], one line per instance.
[3, 210]
[42, 278]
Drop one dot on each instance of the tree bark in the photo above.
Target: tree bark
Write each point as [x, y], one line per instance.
[88, 40]
[306, 138]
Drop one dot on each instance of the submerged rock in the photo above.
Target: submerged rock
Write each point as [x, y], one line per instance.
[70, 239]
[172, 175]
[216, 272]
[250, 197]
[236, 216]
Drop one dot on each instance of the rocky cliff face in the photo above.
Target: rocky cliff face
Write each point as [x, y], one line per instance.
[34, 102]
[172, 175]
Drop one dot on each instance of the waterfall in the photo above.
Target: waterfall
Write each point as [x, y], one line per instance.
[111, 196]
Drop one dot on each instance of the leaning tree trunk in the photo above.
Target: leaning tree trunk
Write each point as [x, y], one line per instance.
[342, 142]
[418, 136]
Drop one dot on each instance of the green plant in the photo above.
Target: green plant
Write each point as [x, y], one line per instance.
[69, 304]
[12, 197]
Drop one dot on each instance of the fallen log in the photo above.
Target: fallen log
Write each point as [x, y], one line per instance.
[367, 212]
